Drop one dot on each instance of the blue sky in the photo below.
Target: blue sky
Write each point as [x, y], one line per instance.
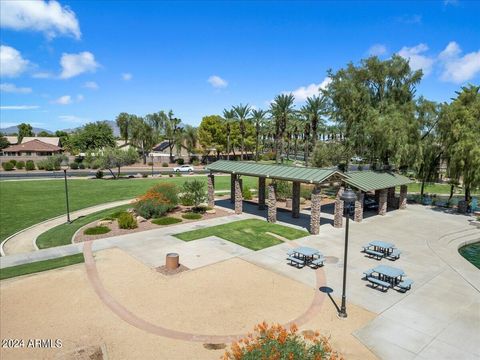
[68, 63]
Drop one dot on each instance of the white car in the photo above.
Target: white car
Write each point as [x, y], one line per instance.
[183, 168]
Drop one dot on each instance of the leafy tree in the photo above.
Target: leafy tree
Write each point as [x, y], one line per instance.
[142, 135]
[3, 141]
[259, 118]
[211, 134]
[92, 136]
[114, 158]
[194, 192]
[242, 113]
[459, 129]
[373, 103]
[123, 121]
[282, 110]
[24, 130]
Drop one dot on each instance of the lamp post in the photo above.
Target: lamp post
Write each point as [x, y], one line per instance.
[348, 198]
[64, 166]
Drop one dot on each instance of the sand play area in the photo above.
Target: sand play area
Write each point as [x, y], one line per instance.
[226, 298]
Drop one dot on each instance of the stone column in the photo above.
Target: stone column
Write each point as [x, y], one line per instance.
[391, 197]
[358, 217]
[238, 196]
[211, 190]
[382, 202]
[272, 204]
[403, 197]
[232, 188]
[261, 193]
[296, 199]
[338, 214]
[316, 200]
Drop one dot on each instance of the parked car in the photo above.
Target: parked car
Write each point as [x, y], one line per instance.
[183, 168]
[370, 204]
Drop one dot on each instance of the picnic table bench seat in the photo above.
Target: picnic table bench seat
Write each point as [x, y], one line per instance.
[296, 262]
[377, 282]
[405, 284]
[376, 254]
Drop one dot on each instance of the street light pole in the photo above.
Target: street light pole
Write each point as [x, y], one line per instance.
[64, 167]
[348, 198]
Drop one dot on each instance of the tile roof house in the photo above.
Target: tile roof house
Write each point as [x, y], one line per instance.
[33, 147]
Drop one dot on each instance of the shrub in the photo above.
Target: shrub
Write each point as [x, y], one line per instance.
[96, 230]
[247, 194]
[166, 220]
[180, 161]
[74, 165]
[194, 192]
[192, 216]
[81, 166]
[13, 162]
[29, 165]
[20, 165]
[127, 221]
[164, 164]
[7, 166]
[283, 190]
[99, 174]
[276, 342]
[157, 201]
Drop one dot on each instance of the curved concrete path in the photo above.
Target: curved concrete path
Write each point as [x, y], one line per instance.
[24, 241]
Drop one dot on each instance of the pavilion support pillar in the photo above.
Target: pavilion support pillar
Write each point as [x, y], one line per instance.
[296, 199]
[391, 197]
[238, 196]
[261, 193]
[232, 187]
[315, 211]
[358, 217]
[338, 214]
[211, 190]
[272, 204]
[402, 202]
[382, 202]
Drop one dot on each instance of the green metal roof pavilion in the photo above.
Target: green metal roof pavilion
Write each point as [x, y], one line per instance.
[363, 180]
[280, 172]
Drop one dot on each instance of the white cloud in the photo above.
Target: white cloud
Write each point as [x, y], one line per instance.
[19, 107]
[11, 62]
[303, 92]
[63, 100]
[91, 85]
[456, 68]
[377, 50]
[12, 88]
[73, 118]
[127, 76]
[217, 82]
[417, 59]
[76, 64]
[47, 17]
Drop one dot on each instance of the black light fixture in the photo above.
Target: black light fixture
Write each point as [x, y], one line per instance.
[348, 197]
[64, 166]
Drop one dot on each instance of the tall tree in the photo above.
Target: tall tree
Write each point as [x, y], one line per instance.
[282, 110]
[123, 121]
[242, 113]
[24, 130]
[459, 128]
[258, 117]
[228, 115]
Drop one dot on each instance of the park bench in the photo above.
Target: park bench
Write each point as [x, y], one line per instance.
[405, 284]
[296, 262]
[376, 254]
[368, 273]
[318, 262]
[377, 282]
[395, 254]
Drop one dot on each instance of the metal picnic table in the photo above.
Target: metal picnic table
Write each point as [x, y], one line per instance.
[389, 273]
[382, 246]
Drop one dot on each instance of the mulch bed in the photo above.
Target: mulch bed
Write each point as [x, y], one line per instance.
[143, 226]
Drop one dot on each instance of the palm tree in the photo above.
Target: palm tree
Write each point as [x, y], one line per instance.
[258, 117]
[228, 115]
[282, 110]
[314, 109]
[241, 113]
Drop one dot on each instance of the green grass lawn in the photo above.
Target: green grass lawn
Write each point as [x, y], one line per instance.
[62, 234]
[39, 266]
[25, 203]
[250, 233]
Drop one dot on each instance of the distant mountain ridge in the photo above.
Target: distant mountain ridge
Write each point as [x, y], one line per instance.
[36, 130]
